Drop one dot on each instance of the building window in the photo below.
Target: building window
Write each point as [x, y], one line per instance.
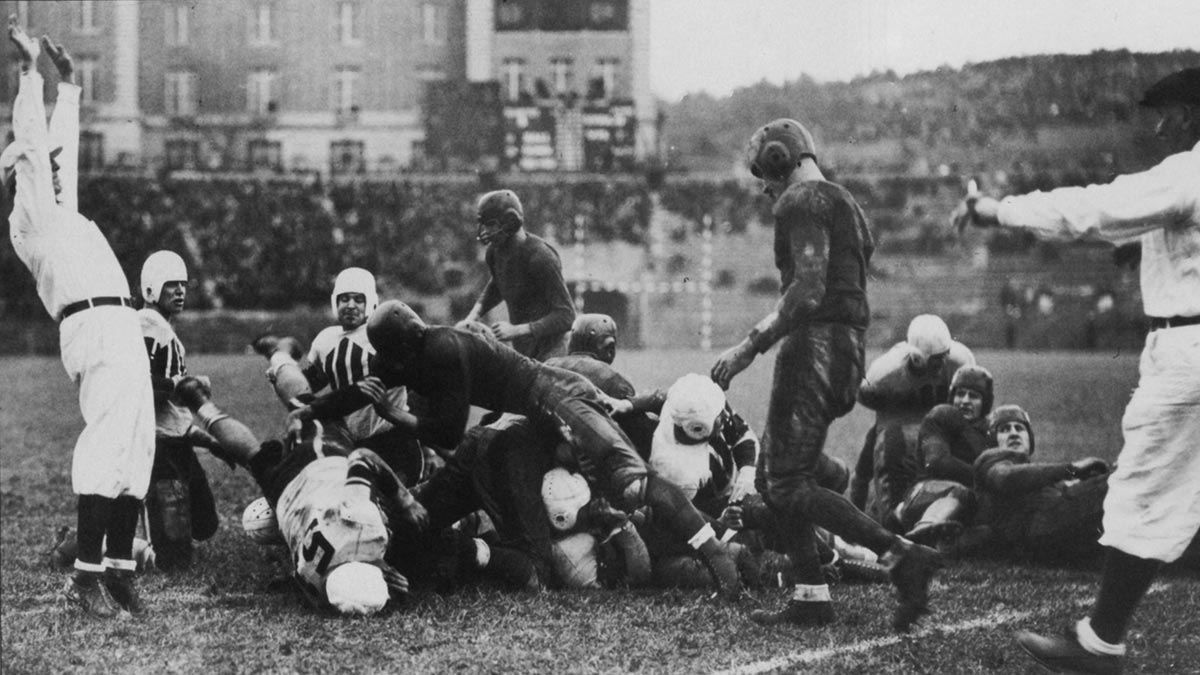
[260, 92]
[607, 72]
[85, 18]
[22, 12]
[262, 29]
[345, 90]
[514, 78]
[561, 69]
[433, 23]
[602, 12]
[91, 150]
[85, 72]
[182, 153]
[265, 154]
[179, 20]
[347, 157]
[180, 98]
[348, 23]
[510, 14]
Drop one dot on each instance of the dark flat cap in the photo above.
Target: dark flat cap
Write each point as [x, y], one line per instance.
[1180, 87]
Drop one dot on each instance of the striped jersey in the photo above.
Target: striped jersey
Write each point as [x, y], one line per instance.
[167, 362]
[339, 358]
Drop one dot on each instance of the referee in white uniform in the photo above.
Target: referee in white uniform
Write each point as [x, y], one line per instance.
[82, 286]
[1152, 510]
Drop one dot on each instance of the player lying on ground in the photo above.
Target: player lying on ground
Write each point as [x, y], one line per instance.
[951, 437]
[340, 357]
[901, 386]
[335, 506]
[455, 369]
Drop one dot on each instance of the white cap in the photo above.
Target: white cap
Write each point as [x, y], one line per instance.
[564, 493]
[694, 402]
[161, 267]
[355, 280]
[356, 588]
[258, 522]
[929, 335]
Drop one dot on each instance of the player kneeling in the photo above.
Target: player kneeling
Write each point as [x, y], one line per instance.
[333, 506]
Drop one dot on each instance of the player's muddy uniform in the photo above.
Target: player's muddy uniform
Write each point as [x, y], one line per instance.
[1044, 514]
[947, 446]
[529, 281]
[453, 370]
[822, 249]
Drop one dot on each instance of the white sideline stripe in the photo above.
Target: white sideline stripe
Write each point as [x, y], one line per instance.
[814, 655]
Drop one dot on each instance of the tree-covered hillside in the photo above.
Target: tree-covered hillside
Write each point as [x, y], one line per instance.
[1065, 108]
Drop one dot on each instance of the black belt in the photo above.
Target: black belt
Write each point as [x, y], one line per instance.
[1158, 323]
[75, 307]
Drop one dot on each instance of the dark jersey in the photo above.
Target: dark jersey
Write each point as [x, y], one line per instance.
[638, 425]
[528, 279]
[454, 370]
[948, 445]
[822, 248]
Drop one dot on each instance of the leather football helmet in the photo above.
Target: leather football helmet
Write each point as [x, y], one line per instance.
[499, 214]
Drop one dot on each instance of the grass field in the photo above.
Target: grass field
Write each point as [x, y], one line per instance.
[226, 615]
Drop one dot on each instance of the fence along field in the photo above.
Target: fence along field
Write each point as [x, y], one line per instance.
[228, 614]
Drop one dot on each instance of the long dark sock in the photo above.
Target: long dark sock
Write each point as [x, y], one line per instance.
[1123, 584]
[92, 523]
[836, 514]
[122, 524]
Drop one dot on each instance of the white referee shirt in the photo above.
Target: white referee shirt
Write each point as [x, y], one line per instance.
[1160, 206]
[67, 254]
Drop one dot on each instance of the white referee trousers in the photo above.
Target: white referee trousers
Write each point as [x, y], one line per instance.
[1153, 505]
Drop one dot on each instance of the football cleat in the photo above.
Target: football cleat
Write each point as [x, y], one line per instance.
[1064, 654]
[911, 568]
[87, 593]
[120, 585]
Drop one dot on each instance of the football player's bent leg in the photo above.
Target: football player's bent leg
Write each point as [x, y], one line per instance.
[680, 517]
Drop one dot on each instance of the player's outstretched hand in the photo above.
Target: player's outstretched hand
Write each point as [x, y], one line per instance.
[505, 331]
[61, 59]
[372, 387]
[975, 209]
[1089, 467]
[733, 361]
[26, 46]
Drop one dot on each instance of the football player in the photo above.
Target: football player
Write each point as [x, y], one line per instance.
[823, 247]
[179, 504]
[526, 276]
[1047, 510]
[334, 506]
[340, 357]
[456, 369]
[901, 386]
[951, 437]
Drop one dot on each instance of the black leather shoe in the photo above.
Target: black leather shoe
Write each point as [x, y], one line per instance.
[911, 568]
[1064, 654]
[87, 593]
[121, 586]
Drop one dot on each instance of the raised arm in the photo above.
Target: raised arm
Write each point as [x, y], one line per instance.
[64, 125]
[30, 149]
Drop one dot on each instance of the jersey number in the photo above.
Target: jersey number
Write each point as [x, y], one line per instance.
[317, 543]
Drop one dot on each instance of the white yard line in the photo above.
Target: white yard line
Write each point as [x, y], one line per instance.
[811, 656]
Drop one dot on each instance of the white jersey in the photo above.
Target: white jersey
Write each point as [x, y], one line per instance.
[342, 357]
[166, 354]
[322, 528]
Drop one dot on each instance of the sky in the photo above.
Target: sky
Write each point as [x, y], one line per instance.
[720, 45]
